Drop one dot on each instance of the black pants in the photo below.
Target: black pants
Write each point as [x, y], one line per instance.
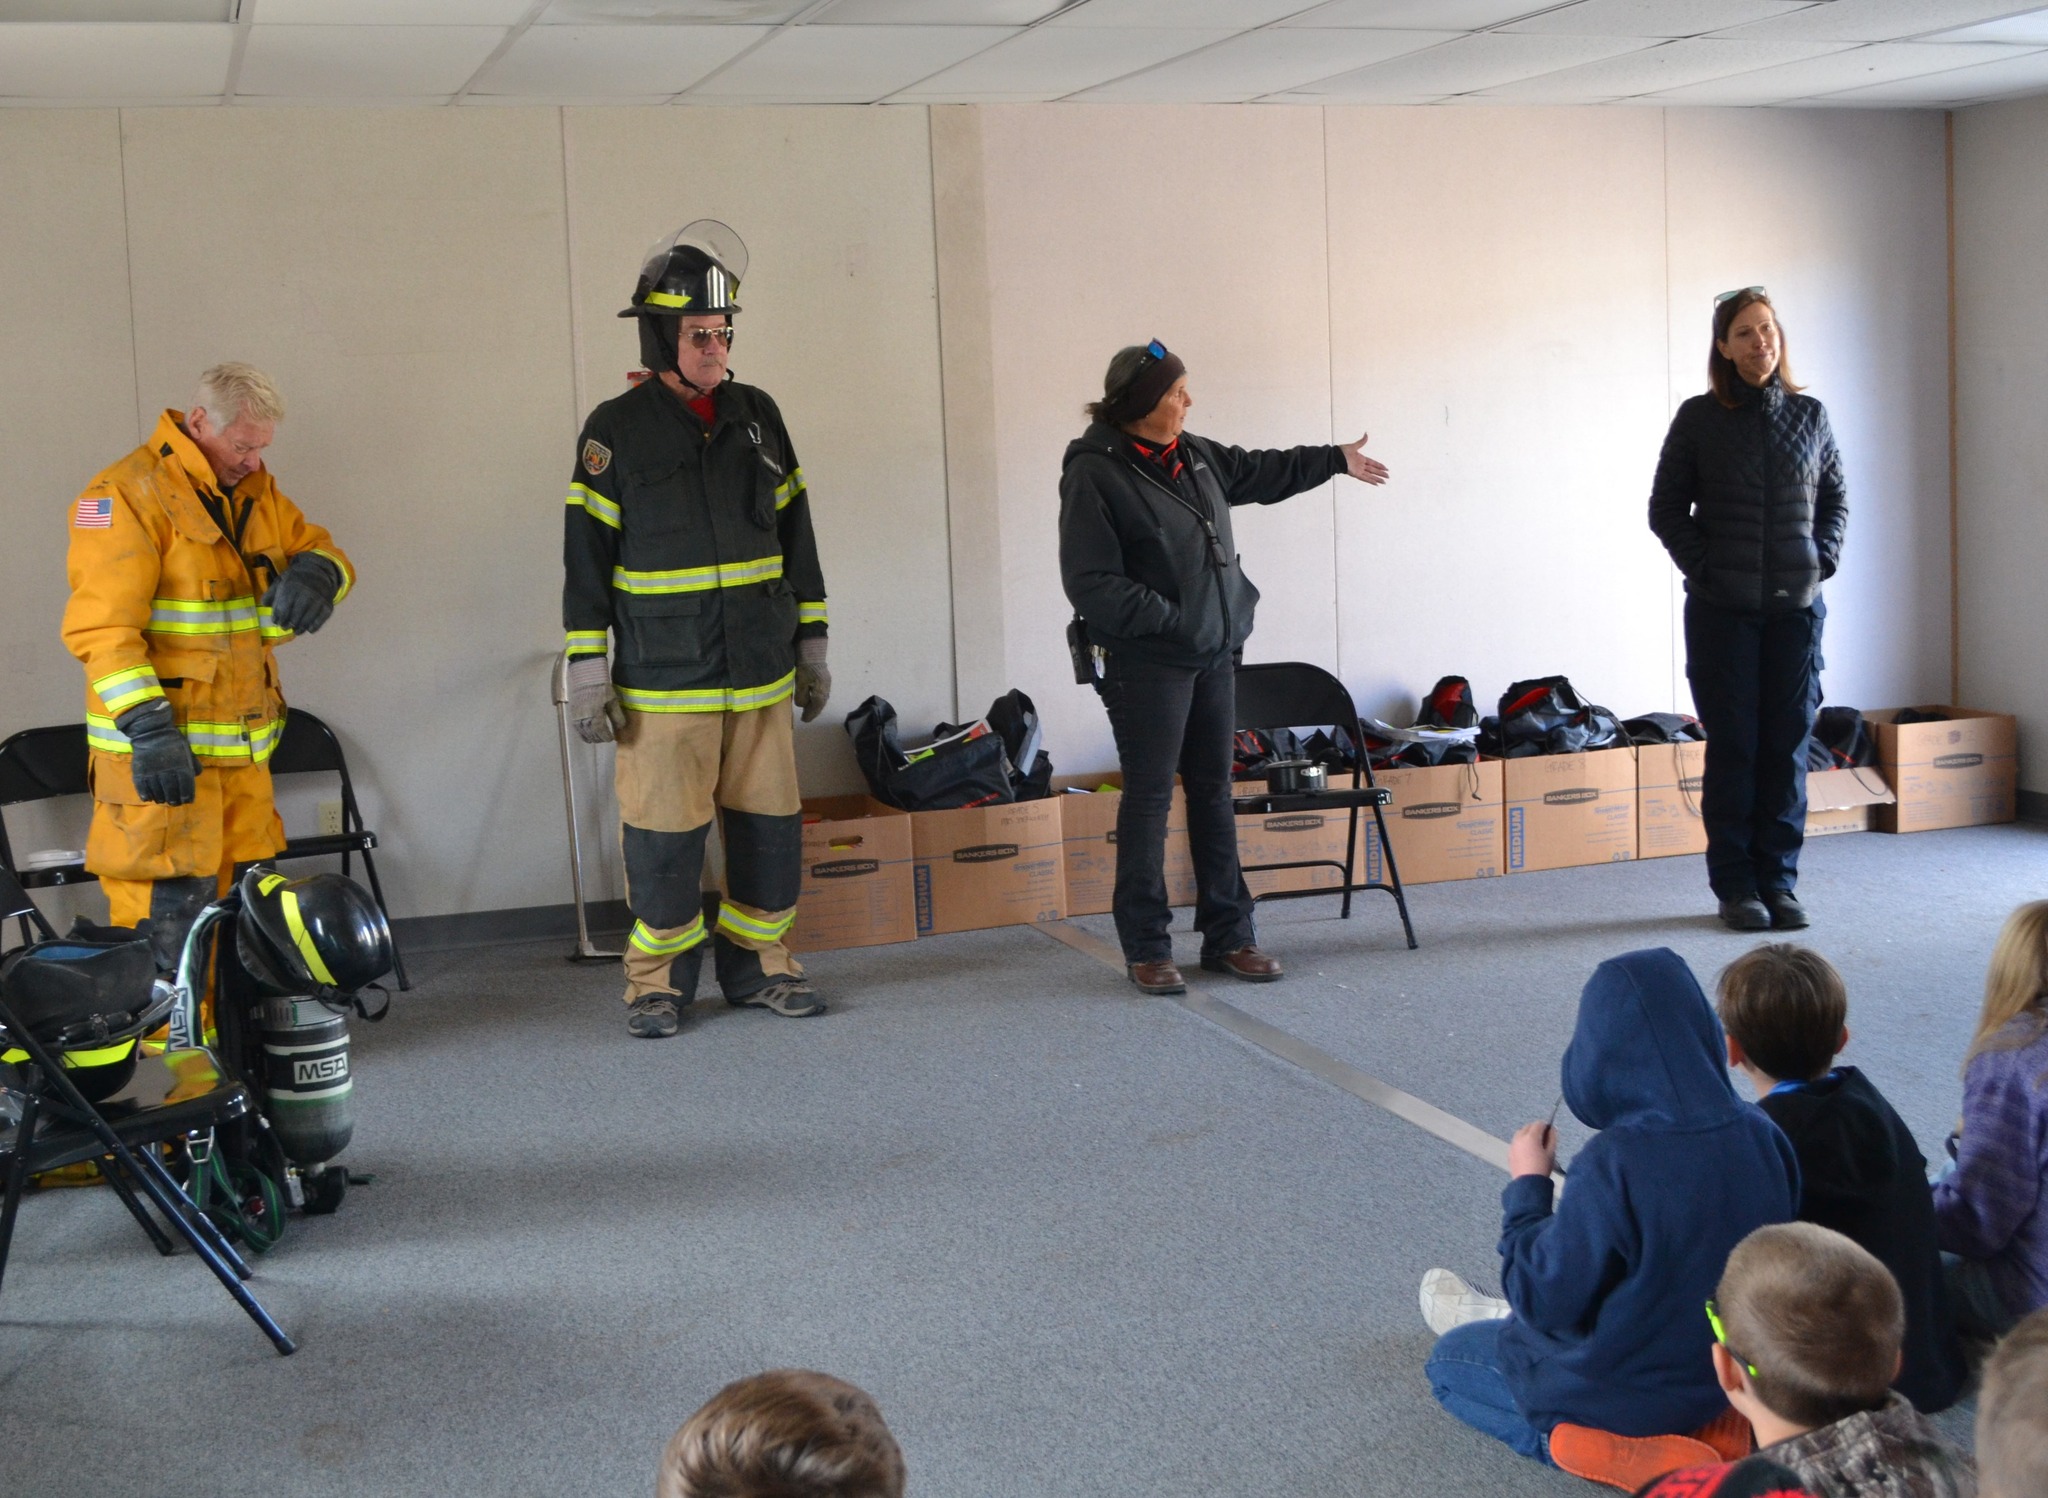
[1756, 684]
[1167, 719]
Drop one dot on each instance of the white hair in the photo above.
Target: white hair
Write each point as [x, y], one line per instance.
[229, 392]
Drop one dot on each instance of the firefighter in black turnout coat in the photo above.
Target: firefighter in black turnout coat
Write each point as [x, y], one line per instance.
[689, 545]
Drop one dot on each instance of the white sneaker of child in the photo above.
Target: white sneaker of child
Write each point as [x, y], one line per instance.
[1447, 1301]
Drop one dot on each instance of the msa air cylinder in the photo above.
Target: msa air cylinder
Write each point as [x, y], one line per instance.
[307, 1091]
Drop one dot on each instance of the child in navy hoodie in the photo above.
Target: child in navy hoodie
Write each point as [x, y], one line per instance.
[1604, 1327]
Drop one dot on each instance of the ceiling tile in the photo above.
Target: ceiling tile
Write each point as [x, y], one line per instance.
[847, 64]
[389, 12]
[1048, 62]
[1417, 15]
[1655, 18]
[1484, 60]
[2032, 27]
[1655, 69]
[2013, 77]
[598, 62]
[671, 12]
[1265, 62]
[1196, 15]
[936, 12]
[117, 10]
[1874, 20]
[1881, 62]
[362, 62]
[61, 60]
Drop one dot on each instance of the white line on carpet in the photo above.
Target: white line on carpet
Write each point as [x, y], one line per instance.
[1317, 1063]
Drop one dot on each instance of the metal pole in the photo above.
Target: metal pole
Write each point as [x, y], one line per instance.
[586, 950]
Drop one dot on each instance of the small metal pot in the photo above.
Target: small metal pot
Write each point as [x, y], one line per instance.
[1290, 777]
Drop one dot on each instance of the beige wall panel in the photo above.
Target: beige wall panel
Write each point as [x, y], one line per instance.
[67, 403]
[402, 275]
[1091, 246]
[1840, 214]
[2002, 324]
[1497, 315]
[840, 326]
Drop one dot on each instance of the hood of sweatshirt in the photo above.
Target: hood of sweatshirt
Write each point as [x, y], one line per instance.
[1648, 1052]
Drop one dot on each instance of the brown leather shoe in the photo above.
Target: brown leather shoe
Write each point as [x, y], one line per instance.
[1248, 963]
[1158, 977]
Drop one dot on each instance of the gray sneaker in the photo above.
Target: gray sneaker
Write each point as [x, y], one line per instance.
[793, 998]
[1447, 1301]
[653, 1016]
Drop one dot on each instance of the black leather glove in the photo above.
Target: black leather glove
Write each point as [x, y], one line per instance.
[302, 596]
[165, 768]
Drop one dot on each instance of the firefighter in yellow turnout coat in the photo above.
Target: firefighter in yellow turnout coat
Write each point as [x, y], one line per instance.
[689, 552]
[187, 566]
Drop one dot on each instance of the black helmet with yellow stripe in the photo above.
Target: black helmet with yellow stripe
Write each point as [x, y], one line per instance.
[321, 936]
[693, 272]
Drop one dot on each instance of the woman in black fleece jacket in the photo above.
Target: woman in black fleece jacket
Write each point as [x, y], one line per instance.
[1749, 501]
[1149, 563]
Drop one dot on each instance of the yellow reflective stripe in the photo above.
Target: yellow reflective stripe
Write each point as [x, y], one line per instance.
[584, 640]
[665, 299]
[268, 883]
[811, 613]
[709, 699]
[589, 499]
[105, 1055]
[698, 579]
[739, 923]
[348, 578]
[789, 488]
[271, 629]
[121, 690]
[302, 938]
[208, 740]
[192, 616]
[668, 946]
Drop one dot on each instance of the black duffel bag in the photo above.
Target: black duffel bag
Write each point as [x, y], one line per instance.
[967, 767]
[1841, 740]
[1546, 716]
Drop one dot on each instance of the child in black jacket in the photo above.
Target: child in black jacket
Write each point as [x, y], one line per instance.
[1784, 1009]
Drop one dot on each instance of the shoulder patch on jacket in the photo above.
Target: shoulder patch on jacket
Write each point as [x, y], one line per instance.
[596, 457]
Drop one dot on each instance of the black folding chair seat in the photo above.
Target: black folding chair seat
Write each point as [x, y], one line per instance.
[166, 1097]
[1294, 694]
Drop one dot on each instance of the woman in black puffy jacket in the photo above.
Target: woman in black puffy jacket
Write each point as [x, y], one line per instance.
[1749, 502]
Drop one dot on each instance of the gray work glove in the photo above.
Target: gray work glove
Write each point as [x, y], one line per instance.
[301, 598]
[813, 677]
[165, 768]
[593, 706]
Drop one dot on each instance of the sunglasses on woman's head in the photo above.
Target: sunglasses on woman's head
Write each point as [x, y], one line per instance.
[1729, 296]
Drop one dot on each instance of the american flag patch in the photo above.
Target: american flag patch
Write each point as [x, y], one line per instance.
[95, 515]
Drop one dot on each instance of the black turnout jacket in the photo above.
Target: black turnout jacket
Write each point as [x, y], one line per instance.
[693, 548]
[1149, 562]
[1750, 501]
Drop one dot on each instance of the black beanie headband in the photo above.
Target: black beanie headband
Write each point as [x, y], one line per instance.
[1136, 400]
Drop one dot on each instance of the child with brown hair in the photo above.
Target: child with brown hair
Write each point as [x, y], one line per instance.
[1992, 1211]
[787, 1433]
[2012, 1414]
[1785, 1011]
[1807, 1333]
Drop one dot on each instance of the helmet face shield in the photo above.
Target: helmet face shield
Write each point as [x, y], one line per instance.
[696, 270]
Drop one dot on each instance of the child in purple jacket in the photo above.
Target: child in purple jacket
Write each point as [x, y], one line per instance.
[1991, 1212]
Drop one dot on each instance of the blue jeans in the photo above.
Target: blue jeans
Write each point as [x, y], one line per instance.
[1464, 1375]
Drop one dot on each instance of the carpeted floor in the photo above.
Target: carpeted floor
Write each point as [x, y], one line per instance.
[1075, 1241]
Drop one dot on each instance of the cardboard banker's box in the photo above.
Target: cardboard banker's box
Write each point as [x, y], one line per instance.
[1292, 837]
[985, 866]
[1957, 773]
[1668, 782]
[1088, 824]
[856, 889]
[1843, 800]
[1570, 809]
[1444, 822]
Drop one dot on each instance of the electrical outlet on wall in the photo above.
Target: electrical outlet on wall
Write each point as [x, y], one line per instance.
[330, 818]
